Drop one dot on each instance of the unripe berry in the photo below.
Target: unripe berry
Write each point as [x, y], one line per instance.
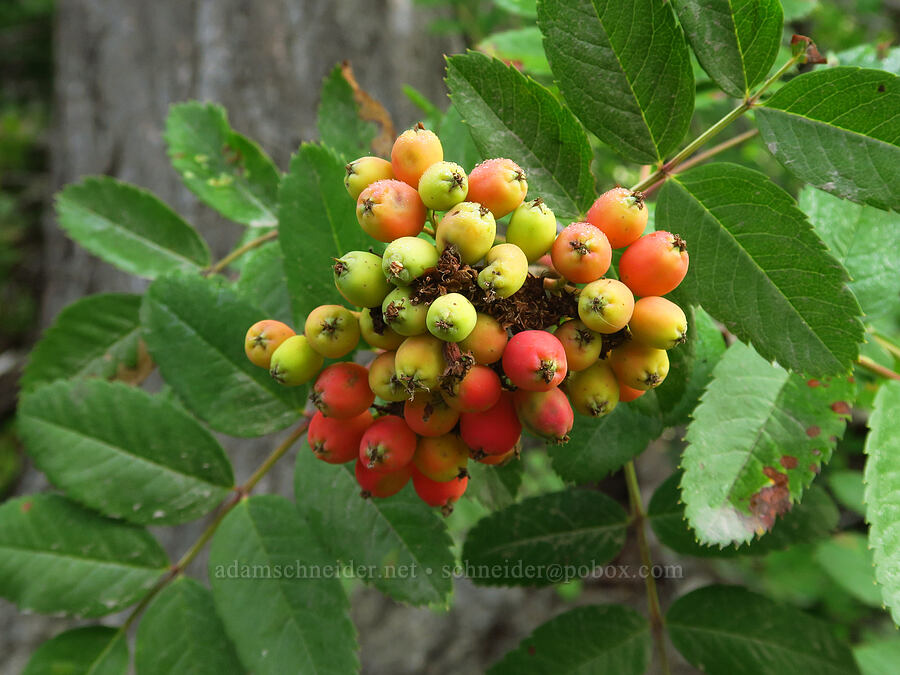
[499, 184]
[594, 392]
[469, 229]
[414, 151]
[263, 338]
[378, 484]
[547, 414]
[443, 186]
[478, 391]
[386, 339]
[581, 344]
[486, 341]
[295, 362]
[441, 458]
[655, 264]
[383, 380]
[605, 305]
[657, 322]
[639, 367]
[337, 440]
[581, 253]
[388, 445]
[532, 227]
[332, 330]
[420, 363]
[389, 209]
[342, 390]
[429, 415]
[406, 259]
[621, 215]
[451, 317]
[505, 271]
[402, 314]
[494, 431]
[535, 360]
[362, 172]
[358, 277]
[435, 493]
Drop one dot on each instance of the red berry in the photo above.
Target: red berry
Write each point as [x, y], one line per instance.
[547, 414]
[342, 390]
[494, 431]
[337, 440]
[389, 444]
[654, 264]
[476, 392]
[429, 415]
[621, 215]
[390, 209]
[499, 184]
[535, 360]
[435, 493]
[379, 484]
[441, 458]
[581, 253]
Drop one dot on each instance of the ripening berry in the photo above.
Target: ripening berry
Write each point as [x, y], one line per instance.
[627, 394]
[443, 186]
[362, 172]
[469, 229]
[358, 277]
[658, 323]
[435, 493]
[581, 344]
[420, 363]
[499, 184]
[383, 380]
[386, 339]
[505, 270]
[486, 341]
[414, 151]
[337, 440]
[494, 431]
[594, 392]
[476, 392]
[406, 259]
[263, 338]
[389, 444]
[655, 264]
[451, 317]
[402, 314]
[639, 367]
[441, 458]
[378, 484]
[495, 460]
[389, 209]
[535, 360]
[429, 415]
[295, 362]
[581, 253]
[342, 390]
[532, 227]
[547, 414]
[605, 305]
[332, 330]
[621, 215]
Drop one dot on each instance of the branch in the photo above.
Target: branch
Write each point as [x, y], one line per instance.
[878, 369]
[241, 250]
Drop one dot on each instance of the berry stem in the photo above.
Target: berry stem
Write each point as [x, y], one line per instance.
[876, 368]
[638, 518]
[885, 343]
[238, 252]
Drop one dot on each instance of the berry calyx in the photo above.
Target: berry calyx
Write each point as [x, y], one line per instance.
[655, 264]
[451, 317]
[413, 152]
[638, 366]
[332, 330]
[263, 338]
[469, 229]
[532, 227]
[621, 215]
[362, 172]
[658, 323]
[379, 484]
[388, 445]
[443, 186]
[535, 360]
[342, 390]
[295, 362]
[499, 184]
[336, 441]
[605, 305]
[358, 277]
[581, 253]
[388, 209]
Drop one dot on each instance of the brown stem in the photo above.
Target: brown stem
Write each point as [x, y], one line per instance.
[878, 369]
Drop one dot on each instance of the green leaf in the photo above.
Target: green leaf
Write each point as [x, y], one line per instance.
[878, 657]
[838, 130]
[864, 240]
[624, 69]
[812, 519]
[882, 475]
[457, 140]
[96, 336]
[268, 576]
[226, 170]
[318, 223]
[129, 227]
[520, 46]
[195, 329]
[848, 488]
[846, 558]
[263, 283]
[593, 639]
[181, 633]
[867, 56]
[339, 123]
[524, 8]
[510, 115]
[798, 9]
[124, 452]
[729, 630]
[494, 486]
[759, 437]
[384, 536]
[56, 556]
[91, 650]
[736, 41]
[757, 266]
[545, 540]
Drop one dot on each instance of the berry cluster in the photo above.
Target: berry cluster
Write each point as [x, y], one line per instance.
[475, 338]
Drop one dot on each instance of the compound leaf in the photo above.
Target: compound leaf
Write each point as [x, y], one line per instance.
[91, 650]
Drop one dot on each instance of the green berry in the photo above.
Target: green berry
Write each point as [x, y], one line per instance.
[401, 314]
[451, 317]
[532, 227]
[443, 186]
[406, 259]
[359, 278]
[295, 362]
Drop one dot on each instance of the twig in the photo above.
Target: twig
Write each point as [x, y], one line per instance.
[869, 364]
[241, 250]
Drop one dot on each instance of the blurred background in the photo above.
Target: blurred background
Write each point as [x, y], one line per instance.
[85, 89]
